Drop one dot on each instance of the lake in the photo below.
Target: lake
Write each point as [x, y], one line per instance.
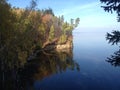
[85, 67]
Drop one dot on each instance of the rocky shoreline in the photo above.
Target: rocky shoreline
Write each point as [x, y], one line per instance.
[57, 47]
[67, 47]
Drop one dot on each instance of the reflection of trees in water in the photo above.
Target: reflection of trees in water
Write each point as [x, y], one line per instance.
[54, 62]
[42, 65]
[114, 38]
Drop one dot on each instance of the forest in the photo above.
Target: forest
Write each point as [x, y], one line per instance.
[31, 58]
[25, 30]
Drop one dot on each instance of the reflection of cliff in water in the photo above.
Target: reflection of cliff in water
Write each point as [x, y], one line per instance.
[40, 66]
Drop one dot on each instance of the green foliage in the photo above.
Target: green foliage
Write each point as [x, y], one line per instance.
[33, 4]
[23, 30]
[7, 21]
[41, 29]
[62, 39]
[51, 33]
[72, 22]
[48, 11]
[112, 5]
[62, 19]
[77, 22]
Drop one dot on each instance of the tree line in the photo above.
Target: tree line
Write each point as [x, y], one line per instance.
[24, 30]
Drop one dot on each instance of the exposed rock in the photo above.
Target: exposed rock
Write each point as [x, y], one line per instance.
[54, 46]
[68, 45]
[48, 43]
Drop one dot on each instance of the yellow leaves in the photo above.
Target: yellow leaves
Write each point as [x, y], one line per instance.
[51, 33]
[41, 28]
[62, 38]
[23, 30]
[68, 28]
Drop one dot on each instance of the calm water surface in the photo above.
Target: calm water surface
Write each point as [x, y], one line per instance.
[90, 52]
[83, 68]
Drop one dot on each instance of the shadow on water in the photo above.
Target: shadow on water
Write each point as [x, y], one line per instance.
[41, 65]
[114, 38]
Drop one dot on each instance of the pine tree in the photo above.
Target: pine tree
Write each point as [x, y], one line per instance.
[77, 22]
[112, 5]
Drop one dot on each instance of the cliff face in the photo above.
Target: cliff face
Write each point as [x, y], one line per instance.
[45, 30]
[60, 47]
[29, 30]
[67, 45]
[63, 46]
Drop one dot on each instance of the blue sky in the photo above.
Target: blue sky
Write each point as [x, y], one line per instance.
[89, 11]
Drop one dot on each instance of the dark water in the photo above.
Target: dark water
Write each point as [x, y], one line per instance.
[83, 68]
[91, 51]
